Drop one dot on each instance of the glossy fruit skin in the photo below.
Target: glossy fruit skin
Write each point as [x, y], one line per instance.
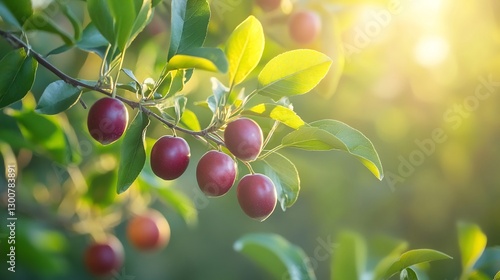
[257, 196]
[215, 173]
[243, 138]
[148, 231]
[107, 120]
[268, 5]
[170, 157]
[304, 27]
[105, 257]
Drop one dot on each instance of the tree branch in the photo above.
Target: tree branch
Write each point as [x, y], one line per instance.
[18, 43]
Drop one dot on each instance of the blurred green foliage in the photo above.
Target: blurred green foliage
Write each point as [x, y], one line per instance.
[419, 78]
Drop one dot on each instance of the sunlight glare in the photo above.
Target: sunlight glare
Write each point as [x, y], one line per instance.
[430, 6]
[431, 51]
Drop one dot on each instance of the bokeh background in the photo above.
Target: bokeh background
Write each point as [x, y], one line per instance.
[421, 79]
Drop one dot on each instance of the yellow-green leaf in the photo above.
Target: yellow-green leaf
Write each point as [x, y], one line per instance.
[472, 242]
[276, 112]
[293, 73]
[324, 135]
[274, 253]
[210, 59]
[413, 257]
[244, 49]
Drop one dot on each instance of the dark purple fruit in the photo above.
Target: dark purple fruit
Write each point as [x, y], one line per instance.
[257, 196]
[170, 157]
[215, 173]
[243, 138]
[107, 120]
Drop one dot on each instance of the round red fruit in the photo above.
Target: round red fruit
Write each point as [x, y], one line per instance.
[170, 157]
[148, 231]
[215, 173]
[243, 138]
[257, 196]
[105, 257]
[107, 120]
[304, 27]
[268, 5]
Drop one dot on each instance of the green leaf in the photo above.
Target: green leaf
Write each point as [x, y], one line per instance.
[293, 73]
[189, 24]
[132, 86]
[73, 19]
[45, 133]
[131, 75]
[276, 112]
[414, 257]
[408, 274]
[489, 262]
[144, 14]
[41, 21]
[180, 202]
[326, 135]
[179, 107]
[384, 264]
[497, 276]
[285, 177]
[472, 242]
[156, 2]
[244, 49]
[17, 74]
[58, 97]
[190, 121]
[478, 275]
[172, 83]
[133, 153]
[93, 41]
[170, 196]
[102, 19]
[349, 259]
[210, 59]
[177, 83]
[278, 256]
[119, 21]
[219, 97]
[101, 191]
[15, 12]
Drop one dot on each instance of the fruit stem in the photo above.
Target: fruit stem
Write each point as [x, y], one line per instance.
[266, 154]
[249, 167]
[122, 58]
[104, 59]
[270, 134]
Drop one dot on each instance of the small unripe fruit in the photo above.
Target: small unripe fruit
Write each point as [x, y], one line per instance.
[107, 120]
[215, 173]
[104, 258]
[243, 138]
[170, 157]
[257, 196]
[268, 5]
[304, 27]
[148, 231]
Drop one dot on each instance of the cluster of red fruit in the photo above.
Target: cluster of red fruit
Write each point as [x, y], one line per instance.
[304, 26]
[216, 171]
[146, 232]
